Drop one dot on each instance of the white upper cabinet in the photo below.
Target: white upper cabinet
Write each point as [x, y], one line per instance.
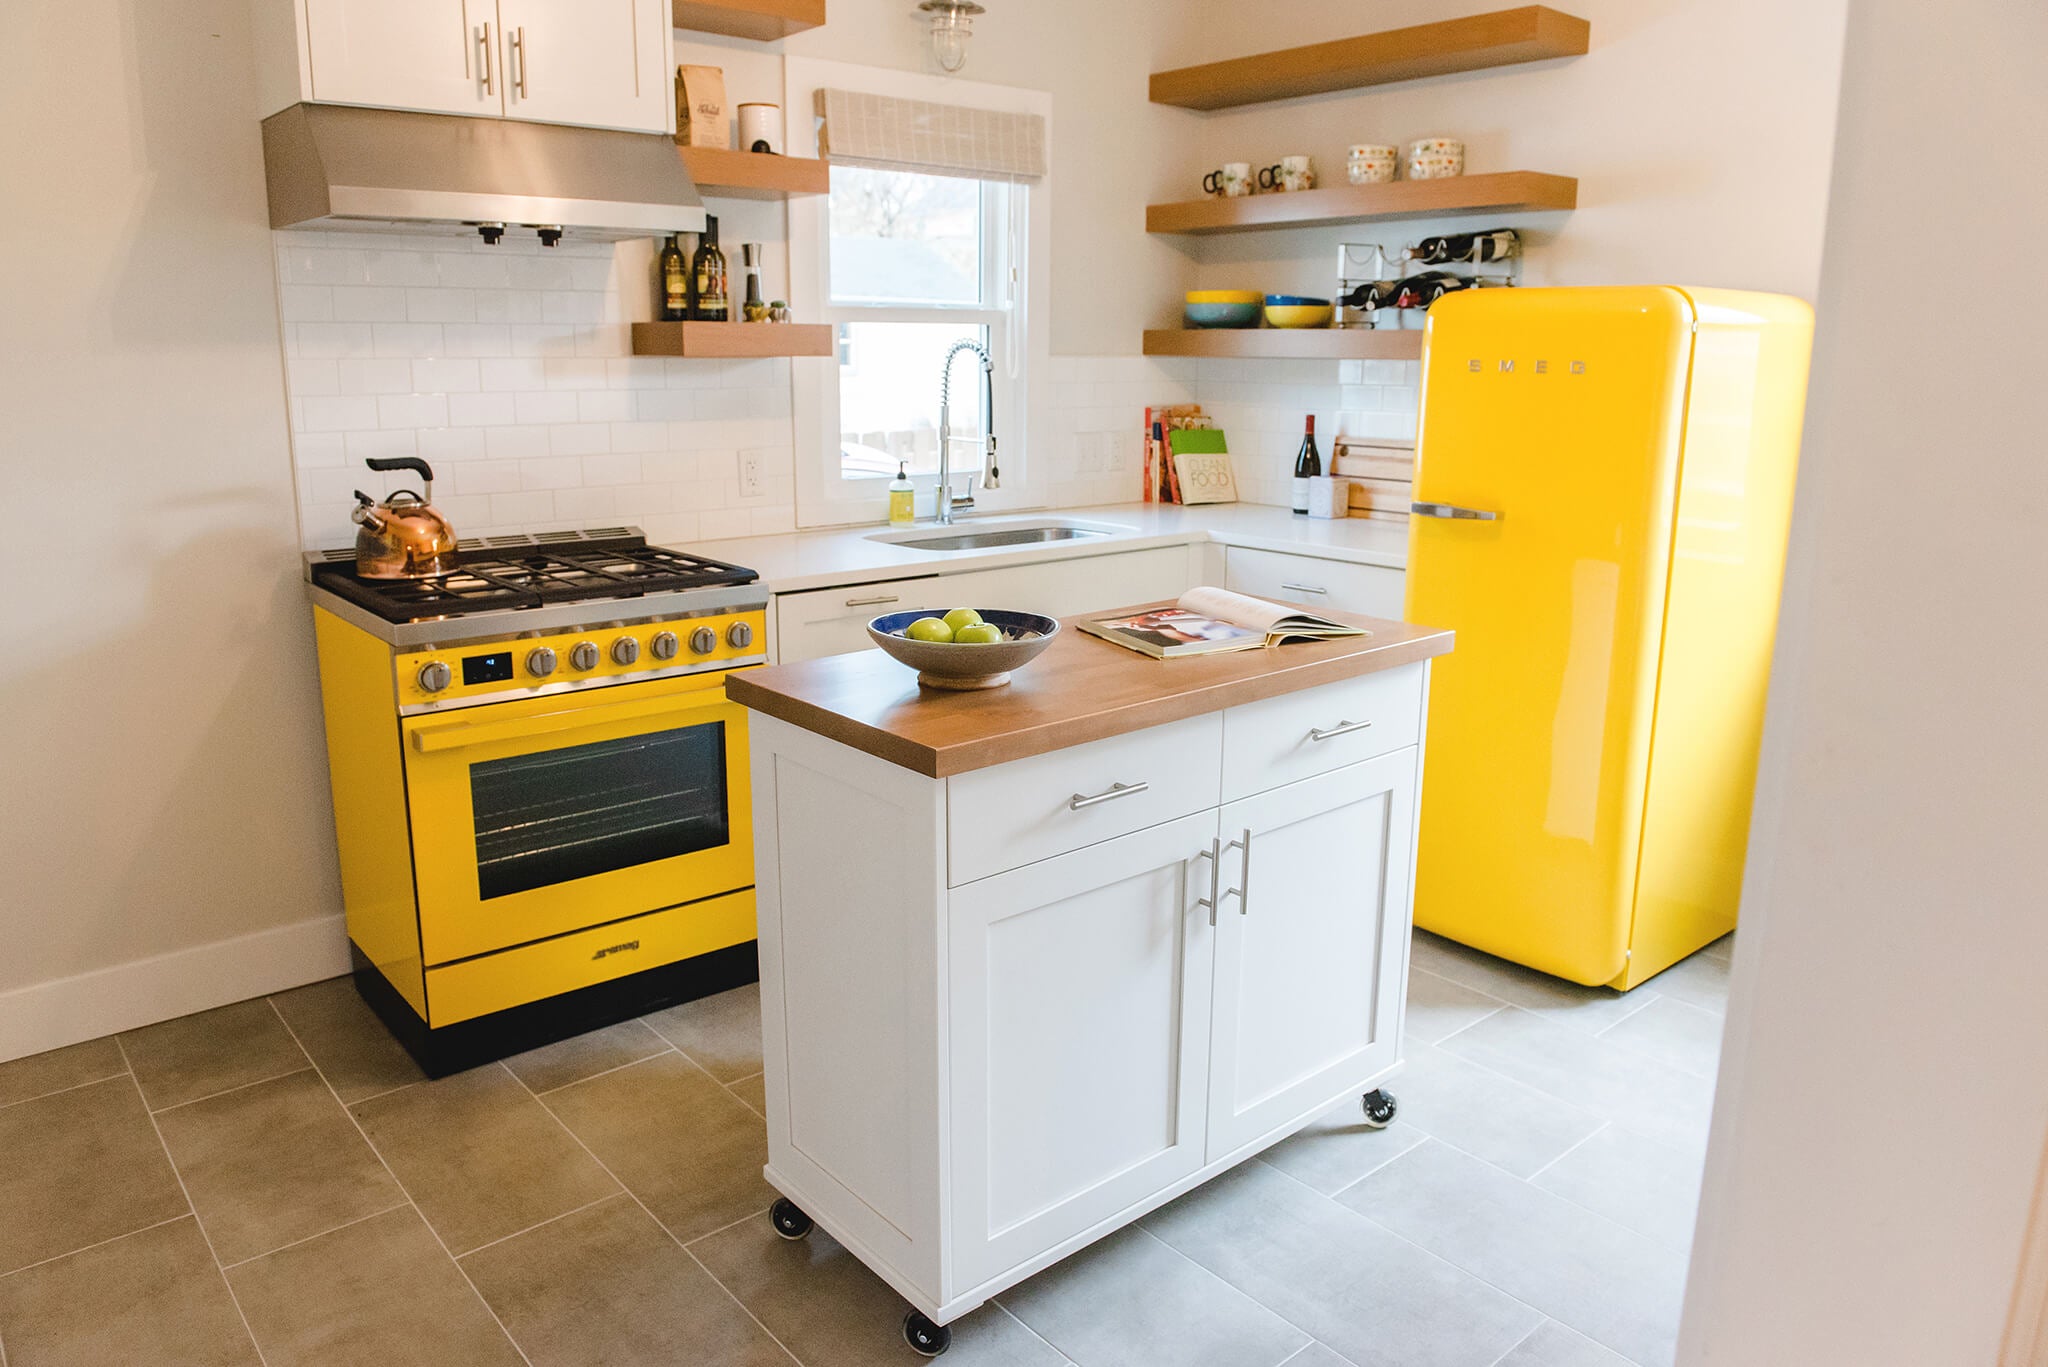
[405, 54]
[605, 63]
[599, 63]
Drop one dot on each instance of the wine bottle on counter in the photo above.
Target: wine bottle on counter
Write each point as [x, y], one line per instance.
[713, 302]
[1308, 465]
[675, 281]
[1497, 245]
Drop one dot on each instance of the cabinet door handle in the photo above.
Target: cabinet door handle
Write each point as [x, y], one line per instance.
[871, 602]
[1305, 588]
[1342, 728]
[485, 64]
[1210, 854]
[1244, 873]
[519, 61]
[1115, 791]
[1452, 510]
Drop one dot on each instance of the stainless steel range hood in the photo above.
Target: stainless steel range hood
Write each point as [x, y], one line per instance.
[331, 165]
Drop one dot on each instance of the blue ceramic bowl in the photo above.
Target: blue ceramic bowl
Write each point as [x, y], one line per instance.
[1221, 315]
[945, 664]
[1296, 300]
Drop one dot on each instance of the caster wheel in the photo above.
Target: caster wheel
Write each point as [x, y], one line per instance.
[1380, 1108]
[924, 1336]
[789, 1222]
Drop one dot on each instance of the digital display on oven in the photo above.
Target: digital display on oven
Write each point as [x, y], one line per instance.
[482, 669]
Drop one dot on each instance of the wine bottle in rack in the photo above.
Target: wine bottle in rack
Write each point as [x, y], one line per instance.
[1497, 245]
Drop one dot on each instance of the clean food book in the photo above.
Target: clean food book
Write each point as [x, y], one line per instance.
[1207, 620]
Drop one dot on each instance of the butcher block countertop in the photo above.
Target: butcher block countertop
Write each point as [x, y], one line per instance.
[1081, 689]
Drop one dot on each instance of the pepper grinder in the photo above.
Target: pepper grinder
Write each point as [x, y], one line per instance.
[754, 310]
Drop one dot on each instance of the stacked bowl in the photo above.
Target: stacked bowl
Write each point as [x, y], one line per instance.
[1222, 308]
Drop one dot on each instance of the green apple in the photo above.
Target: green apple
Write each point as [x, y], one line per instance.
[962, 617]
[979, 634]
[928, 629]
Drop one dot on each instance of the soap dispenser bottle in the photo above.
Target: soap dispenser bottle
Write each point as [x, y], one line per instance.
[902, 497]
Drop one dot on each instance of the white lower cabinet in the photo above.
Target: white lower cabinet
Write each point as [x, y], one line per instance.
[1302, 1011]
[1373, 590]
[1080, 1040]
[968, 1080]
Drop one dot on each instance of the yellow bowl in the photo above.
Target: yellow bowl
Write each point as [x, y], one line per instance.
[1300, 315]
[1225, 297]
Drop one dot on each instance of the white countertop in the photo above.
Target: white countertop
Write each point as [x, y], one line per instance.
[837, 556]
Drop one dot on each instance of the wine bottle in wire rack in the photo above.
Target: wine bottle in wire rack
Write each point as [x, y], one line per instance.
[1497, 245]
[1308, 464]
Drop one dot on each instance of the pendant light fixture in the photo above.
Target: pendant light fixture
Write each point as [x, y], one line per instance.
[952, 26]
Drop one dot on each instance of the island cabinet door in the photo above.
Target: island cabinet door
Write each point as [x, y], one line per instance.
[1079, 1030]
[1310, 945]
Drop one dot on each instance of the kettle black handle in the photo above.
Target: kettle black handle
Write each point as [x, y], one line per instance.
[412, 463]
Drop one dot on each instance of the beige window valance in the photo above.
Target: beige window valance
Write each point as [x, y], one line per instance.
[935, 139]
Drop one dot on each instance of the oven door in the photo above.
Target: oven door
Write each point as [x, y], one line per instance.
[547, 815]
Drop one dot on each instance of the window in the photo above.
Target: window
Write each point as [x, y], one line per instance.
[917, 263]
[905, 263]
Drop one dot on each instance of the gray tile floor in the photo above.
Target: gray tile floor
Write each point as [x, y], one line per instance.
[274, 1183]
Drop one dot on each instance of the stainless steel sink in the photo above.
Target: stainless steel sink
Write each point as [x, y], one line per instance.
[1008, 536]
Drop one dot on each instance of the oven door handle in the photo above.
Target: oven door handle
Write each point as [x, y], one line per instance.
[458, 735]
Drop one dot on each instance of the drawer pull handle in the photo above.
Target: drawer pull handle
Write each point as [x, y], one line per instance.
[1212, 854]
[1342, 728]
[1116, 790]
[1305, 588]
[1244, 874]
[871, 602]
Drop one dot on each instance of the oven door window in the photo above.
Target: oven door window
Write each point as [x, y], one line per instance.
[583, 810]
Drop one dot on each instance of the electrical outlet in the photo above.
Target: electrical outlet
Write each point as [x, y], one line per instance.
[750, 474]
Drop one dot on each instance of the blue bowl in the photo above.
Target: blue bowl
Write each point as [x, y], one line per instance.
[946, 664]
[1221, 315]
[1301, 300]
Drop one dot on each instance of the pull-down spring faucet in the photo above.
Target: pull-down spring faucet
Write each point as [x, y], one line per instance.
[992, 479]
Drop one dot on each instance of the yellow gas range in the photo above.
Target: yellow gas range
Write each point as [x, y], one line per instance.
[540, 790]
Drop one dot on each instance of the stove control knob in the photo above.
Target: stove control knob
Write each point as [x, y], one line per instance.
[740, 635]
[703, 640]
[664, 645]
[583, 655]
[625, 650]
[540, 661]
[435, 676]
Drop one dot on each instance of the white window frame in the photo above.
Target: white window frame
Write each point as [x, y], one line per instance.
[1020, 331]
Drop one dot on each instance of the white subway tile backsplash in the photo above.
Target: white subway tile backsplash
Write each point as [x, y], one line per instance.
[551, 472]
[336, 413]
[445, 376]
[412, 410]
[544, 407]
[406, 340]
[579, 438]
[604, 405]
[507, 374]
[611, 468]
[515, 443]
[369, 375]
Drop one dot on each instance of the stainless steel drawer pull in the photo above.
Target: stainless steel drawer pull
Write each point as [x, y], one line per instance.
[1305, 588]
[871, 602]
[1454, 511]
[1116, 790]
[1342, 728]
[1242, 891]
[1211, 854]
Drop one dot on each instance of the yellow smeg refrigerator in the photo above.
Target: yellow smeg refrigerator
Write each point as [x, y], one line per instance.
[1603, 488]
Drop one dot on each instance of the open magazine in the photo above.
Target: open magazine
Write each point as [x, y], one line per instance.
[1207, 620]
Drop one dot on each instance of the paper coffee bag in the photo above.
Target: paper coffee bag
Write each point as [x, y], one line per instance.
[700, 107]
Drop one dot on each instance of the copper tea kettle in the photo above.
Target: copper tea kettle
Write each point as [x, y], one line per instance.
[405, 536]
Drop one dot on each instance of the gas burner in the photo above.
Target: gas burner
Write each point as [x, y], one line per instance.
[507, 573]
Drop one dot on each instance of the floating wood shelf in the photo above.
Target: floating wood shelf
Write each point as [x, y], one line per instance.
[755, 175]
[1530, 33]
[732, 339]
[1501, 192]
[1295, 344]
[764, 21]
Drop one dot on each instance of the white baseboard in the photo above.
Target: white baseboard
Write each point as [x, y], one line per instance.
[142, 992]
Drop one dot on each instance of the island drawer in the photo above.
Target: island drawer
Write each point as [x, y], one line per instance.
[1299, 735]
[1009, 815]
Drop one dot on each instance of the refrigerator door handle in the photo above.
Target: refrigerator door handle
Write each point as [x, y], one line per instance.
[1452, 510]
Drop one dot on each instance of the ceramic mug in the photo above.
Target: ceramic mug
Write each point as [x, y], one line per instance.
[1233, 181]
[1375, 151]
[1370, 170]
[1436, 147]
[1297, 173]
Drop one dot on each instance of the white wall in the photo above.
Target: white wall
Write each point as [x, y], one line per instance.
[1882, 1092]
[159, 728]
